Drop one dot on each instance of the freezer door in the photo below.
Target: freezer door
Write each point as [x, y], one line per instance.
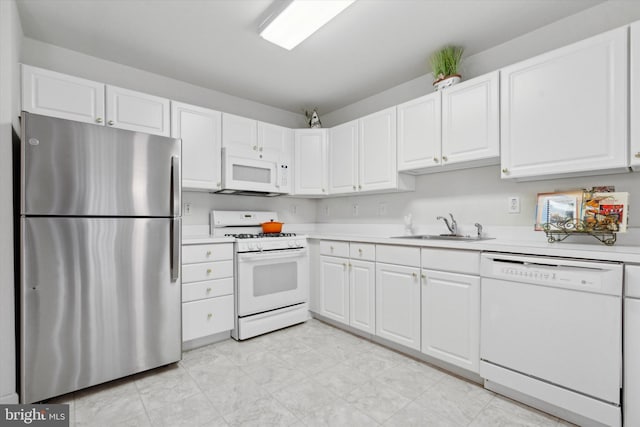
[97, 301]
[78, 169]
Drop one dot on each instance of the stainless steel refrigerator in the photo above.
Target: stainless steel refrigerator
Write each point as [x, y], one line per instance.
[100, 255]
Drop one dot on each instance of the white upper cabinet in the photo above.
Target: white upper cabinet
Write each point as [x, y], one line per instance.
[635, 96]
[275, 138]
[419, 133]
[342, 153]
[565, 112]
[239, 132]
[377, 165]
[59, 95]
[310, 152]
[457, 127]
[471, 121]
[200, 130]
[136, 111]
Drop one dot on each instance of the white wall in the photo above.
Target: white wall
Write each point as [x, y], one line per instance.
[290, 210]
[479, 195]
[78, 64]
[592, 21]
[472, 195]
[10, 39]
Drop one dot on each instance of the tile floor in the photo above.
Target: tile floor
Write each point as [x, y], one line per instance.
[307, 375]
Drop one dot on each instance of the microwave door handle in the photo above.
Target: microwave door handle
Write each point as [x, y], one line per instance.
[265, 255]
[277, 175]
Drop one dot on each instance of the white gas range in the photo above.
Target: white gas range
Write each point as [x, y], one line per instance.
[271, 273]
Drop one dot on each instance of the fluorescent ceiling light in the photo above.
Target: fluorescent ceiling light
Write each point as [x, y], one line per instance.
[300, 19]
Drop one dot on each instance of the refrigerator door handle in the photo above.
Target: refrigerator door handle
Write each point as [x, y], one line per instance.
[175, 186]
[175, 244]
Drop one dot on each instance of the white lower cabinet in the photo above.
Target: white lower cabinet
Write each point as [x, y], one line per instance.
[362, 279]
[334, 288]
[347, 285]
[451, 318]
[398, 304]
[207, 290]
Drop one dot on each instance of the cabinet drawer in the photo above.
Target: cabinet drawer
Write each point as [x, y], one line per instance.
[456, 261]
[204, 253]
[334, 248]
[210, 288]
[365, 251]
[402, 255]
[632, 280]
[206, 271]
[207, 317]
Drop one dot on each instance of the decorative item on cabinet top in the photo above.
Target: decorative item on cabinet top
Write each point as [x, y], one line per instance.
[444, 66]
[313, 118]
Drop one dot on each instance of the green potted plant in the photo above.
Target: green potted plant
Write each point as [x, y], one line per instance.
[444, 66]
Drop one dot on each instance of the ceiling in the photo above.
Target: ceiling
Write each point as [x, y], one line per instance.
[372, 46]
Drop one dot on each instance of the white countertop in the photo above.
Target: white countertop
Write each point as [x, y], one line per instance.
[627, 254]
[511, 240]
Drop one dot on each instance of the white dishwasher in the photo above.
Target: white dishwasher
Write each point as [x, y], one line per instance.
[631, 384]
[551, 334]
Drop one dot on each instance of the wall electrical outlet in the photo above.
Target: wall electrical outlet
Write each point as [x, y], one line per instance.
[514, 205]
[294, 209]
[187, 208]
[355, 210]
[382, 208]
[327, 212]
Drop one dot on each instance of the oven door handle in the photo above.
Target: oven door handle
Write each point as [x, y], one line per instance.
[255, 256]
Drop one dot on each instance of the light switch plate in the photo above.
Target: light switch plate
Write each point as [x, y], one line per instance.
[187, 209]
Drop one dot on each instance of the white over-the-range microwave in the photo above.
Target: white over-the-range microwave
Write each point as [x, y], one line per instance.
[248, 172]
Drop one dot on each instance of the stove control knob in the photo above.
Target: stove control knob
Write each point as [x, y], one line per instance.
[259, 246]
[298, 244]
[291, 244]
[250, 246]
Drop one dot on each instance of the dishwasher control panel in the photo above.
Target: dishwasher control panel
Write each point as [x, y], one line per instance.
[542, 274]
[587, 276]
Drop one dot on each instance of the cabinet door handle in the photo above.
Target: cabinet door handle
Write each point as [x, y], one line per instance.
[445, 159]
[505, 171]
[415, 275]
[208, 253]
[638, 155]
[218, 184]
[359, 187]
[423, 276]
[354, 187]
[255, 148]
[98, 119]
[208, 271]
[260, 149]
[360, 251]
[208, 290]
[111, 123]
[435, 160]
[331, 248]
[209, 315]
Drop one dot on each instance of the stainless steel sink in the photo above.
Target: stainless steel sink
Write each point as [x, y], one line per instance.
[454, 237]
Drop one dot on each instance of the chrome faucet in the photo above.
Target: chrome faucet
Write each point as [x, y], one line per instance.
[479, 227]
[453, 226]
